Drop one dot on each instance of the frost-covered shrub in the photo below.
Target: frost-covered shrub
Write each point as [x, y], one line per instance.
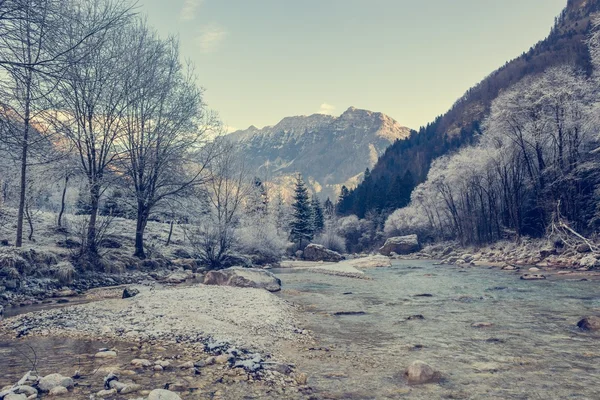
[261, 241]
[332, 241]
[406, 221]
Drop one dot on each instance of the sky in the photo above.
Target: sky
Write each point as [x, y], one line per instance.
[262, 60]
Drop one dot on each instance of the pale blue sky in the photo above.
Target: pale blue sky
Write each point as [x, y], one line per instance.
[262, 60]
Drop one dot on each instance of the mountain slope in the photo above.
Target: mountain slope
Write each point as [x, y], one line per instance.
[327, 151]
[460, 125]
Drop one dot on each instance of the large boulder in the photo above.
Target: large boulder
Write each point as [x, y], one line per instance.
[400, 245]
[51, 381]
[419, 373]
[316, 252]
[244, 277]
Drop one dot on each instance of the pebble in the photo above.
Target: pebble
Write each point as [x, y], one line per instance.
[58, 391]
[106, 354]
[106, 393]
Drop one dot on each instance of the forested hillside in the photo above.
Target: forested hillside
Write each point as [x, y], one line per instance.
[407, 162]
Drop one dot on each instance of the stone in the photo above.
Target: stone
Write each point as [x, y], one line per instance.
[222, 359]
[141, 363]
[509, 267]
[533, 277]
[420, 372]
[118, 386]
[130, 292]
[130, 388]
[546, 252]
[482, 325]
[400, 245]
[26, 390]
[58, 391]
[51, 381]
[591, 323]
[15, 396]
[244, 277]
[187, 365]
[317, 252]
[179, 276]
[106, 393]
[584, 248]
[589, 261]
[534, 269]
[163, 394]
[158, 368]
[106, 354]
[301, 378]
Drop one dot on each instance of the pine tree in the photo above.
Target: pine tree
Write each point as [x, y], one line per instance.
[318, 217]
[328, 208]
[302, 223]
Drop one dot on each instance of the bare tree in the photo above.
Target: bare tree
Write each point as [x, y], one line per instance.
[94, 100]
[35, 49]
[166, 124]
[226, 190]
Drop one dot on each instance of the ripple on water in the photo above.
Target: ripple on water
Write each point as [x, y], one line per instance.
[532, 342]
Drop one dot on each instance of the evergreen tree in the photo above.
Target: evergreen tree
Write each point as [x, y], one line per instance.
[328, 208]
[258, 199]
[302, 228]
[343, 205]
[318, 217]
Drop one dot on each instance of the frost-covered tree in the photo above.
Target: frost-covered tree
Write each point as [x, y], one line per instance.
[302, 228]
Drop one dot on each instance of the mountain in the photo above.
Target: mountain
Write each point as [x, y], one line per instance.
[328, 151]
[566, 44]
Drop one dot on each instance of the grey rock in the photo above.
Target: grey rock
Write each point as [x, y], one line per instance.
[130, 292]
[400, 245]
[420, 372]
[162, 394]
[244, 277]
[317, 252]
[51, 381]
[591, 323]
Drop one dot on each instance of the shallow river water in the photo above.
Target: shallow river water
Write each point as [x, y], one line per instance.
[533, 350]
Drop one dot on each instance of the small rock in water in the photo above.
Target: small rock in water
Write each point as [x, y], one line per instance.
[420, 372]
[533, 277]
[130, 292]
[15, 396]
[416, 316]
[424, 295]
[339, 313]
[534, 269]
[591, 323]
[482, 325]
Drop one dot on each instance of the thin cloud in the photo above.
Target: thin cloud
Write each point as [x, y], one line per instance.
[210, 38]
[190, 9]
[327, 109]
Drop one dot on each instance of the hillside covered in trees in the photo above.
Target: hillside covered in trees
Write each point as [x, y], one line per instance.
[407, 162]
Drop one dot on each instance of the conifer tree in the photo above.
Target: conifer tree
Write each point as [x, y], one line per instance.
[318, 217]
[302, 228]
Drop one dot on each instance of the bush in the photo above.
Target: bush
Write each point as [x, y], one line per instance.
[262, 242]
[331, 241]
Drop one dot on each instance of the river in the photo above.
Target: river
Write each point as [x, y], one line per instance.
[528, 348]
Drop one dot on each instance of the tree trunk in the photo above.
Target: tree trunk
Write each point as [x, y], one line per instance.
[62, 202]
[23, 184]
[170, 234]
[142, 221]
[29, 221]
[92, 246]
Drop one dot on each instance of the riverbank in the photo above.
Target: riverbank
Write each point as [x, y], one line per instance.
[537, 253]
[231, 334]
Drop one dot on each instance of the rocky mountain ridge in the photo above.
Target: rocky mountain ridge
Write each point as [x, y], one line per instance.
[328, 151]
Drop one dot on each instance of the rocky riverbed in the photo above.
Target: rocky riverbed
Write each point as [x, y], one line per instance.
[223, 333]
